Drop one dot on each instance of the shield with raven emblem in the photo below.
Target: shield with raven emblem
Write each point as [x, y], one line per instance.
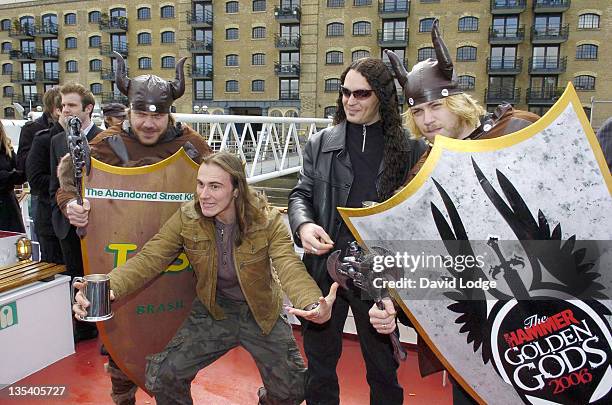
[505, 246]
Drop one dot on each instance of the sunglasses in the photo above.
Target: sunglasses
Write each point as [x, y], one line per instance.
[358, 94]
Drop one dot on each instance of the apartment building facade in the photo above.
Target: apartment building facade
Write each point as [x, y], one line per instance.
[284, 57]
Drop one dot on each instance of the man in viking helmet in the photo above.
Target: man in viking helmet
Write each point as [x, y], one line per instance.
[437, 106]
[148, 135]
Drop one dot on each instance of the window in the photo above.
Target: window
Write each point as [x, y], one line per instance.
[466, 53]
[168, 62]
[335, 29]
[588, 21]
[144, 13]
[545, 57]
[587, 51]
[332, 85]
[95, 41]
[334, 58]
[394, 30]
[96, 88]
[258, 85]
[72, 66]
[71, 43]
[425, 24]
[9, 112]
[466, 82]
[144, 38]
[258, 59]
[362, 53]
[259, 32]
[94, 17]
[7, 68]
[231, 86]
[584, 82]
[6, 25]
[425, 53]
[231, 7]
[95, 65]
[167, 12]
[259, 5]
[7, 47]
[231, 33]
[467, 24]
[70, 19]
[144, 63]
[203, 89]
[231, 60]
[335, 3]
[330, 111]
[289, 89]
[167, 37]
[7, 91]
[362, 3]
[362, 28]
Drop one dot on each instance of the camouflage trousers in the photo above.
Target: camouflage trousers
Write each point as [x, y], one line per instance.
[201, 340]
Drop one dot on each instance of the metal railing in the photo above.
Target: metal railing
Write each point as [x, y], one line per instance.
[200, 18]
[270, 146]
[504, 65]
[545, 64]
[114, 24]
[287, 41]
[394, 7]
[548, 33]
[287, 69]
[506, 34]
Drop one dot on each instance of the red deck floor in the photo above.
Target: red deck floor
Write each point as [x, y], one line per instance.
[232, 380]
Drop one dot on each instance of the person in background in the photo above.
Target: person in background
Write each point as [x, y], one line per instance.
[10, 176]
[113, 113]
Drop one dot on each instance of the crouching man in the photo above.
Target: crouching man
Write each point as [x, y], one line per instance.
[242, 253]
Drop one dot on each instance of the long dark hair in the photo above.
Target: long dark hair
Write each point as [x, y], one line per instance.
[395, 156]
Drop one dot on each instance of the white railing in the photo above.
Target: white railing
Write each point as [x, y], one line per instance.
[270, 146]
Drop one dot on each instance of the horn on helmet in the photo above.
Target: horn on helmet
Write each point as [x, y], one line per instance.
[445, 62]
[121, 78]
[178, 85]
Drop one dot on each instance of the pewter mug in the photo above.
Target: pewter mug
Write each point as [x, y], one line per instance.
[97, 292]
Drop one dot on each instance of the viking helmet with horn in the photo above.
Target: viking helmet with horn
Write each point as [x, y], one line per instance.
[431, 79]
[149, 92]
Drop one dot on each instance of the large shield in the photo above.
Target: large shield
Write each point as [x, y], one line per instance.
[128, 207]
[505, 245]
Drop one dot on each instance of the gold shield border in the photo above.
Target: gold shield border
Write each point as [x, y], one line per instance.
[441, 143]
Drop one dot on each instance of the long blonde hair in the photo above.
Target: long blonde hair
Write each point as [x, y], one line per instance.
[5, 141]
[462, 105]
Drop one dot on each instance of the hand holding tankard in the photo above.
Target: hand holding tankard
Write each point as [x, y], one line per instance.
[92, 302]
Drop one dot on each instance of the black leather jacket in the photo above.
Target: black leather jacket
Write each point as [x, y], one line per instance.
[324, 184]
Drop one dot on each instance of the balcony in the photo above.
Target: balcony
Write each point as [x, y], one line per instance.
[394, 9]
[547, 65]
[201, 19]
[114, 98]
[546, 95]
[49, 53]
[114, 25]
[46, 30]
[205, 46]
[289, 95]
[288, 42]
[504, 66]
[543, 34]
[286, 15]
[108, 49]
[287, 69]
[507, 35]
[508, 6]
[550, 6]
[203, 94]
[25, 100]
[50, 76]
[25, 31]
[25, 77]
[200, 71]
[503, 95]
[393, 38]
[24, 56]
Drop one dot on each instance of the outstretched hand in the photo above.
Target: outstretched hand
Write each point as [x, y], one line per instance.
[322, 313]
